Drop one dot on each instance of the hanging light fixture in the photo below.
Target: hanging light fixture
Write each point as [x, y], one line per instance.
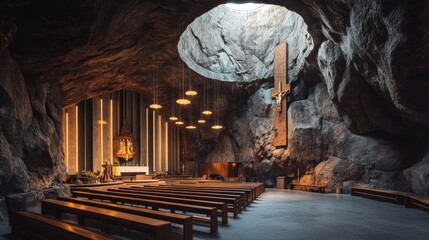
[190, 125]
[179, 120]
[155, 104]
[216, 126]
[205, 101]
[173, 105]
[201, 120]
[182, 100]
[190, 92]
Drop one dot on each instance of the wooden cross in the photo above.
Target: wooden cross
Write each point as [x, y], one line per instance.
[281, 88]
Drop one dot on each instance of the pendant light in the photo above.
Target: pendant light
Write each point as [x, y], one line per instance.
[173, 105]
[216, 126]
[182, 100]
[201, 120]
[190, 92]
[155, 104]
[190, 125]
[179, 120]
[205, 112]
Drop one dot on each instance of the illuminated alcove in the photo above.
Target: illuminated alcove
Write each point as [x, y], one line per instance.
[90, 127]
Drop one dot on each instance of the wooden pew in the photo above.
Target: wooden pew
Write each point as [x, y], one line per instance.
[380, 194]
[211, 212]
[417, 201]
[251, 192]
[308, 188]
[34, 226]
[410, 200]
[221, 206]
[182, 219]
[244, 195]
[192, 193]
[160, 229]
[257, 188]
[233, 205]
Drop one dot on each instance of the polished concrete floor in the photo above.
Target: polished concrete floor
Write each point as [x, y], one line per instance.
[283, 214]
[297, 215]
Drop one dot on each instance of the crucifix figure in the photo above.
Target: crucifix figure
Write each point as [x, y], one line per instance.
[279, 98]
[279, 92]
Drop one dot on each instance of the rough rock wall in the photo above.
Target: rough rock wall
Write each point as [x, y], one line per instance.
[361, 125]
[30, 128]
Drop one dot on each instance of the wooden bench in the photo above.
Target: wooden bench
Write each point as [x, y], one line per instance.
[233, 205]
[416, 201]
[192, 193]
[410, 200]
[251, 192]
[308, 188]
[380, 194]
[160, 229]
[221, 206]
[258, 188]
[244, 195]
[211, 212]
[182, 219]
[34, 226]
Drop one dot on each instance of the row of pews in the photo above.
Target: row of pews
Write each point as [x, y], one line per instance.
[150, 211]
[409, 200]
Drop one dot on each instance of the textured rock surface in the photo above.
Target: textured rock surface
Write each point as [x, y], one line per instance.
[418, 176]
[30, 140]
[24, 201]
[371, 55]
[3, 209]
[238, 46]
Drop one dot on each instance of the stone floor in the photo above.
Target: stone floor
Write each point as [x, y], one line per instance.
[297, 215]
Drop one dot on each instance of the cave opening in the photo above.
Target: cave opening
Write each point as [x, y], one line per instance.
[235, 42]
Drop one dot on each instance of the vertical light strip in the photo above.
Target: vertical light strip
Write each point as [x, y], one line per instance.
[111, 130]
[159, 142]
[101, 132]
[178, 157]
[153, 141]
[166, 147]
[77, 138]
[147, 137]
[67, 142]
[85, 127]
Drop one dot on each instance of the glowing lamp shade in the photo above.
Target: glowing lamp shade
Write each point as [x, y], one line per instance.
[102, 122]
[183, 101]
[201, 121]
[155, 106]
[191, 93]
[173, 118]
[217, 127]
[191, 127]
[207, 112]
[179, 123]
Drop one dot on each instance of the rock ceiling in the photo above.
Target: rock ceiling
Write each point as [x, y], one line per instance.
[95, 47]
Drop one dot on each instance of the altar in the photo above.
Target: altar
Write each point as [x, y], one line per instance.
[130, 170]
